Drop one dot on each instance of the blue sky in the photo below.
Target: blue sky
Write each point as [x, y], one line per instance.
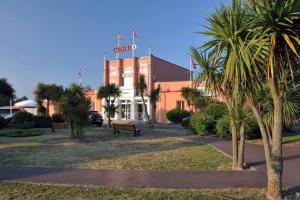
[50, 40]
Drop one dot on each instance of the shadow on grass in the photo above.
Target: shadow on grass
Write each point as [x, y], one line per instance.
[60, 151]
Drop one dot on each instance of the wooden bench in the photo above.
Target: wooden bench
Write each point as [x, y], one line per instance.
[126, 127]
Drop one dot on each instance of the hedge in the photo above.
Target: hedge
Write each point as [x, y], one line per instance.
[176, 115]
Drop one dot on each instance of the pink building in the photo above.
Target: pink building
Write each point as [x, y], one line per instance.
[125, 73]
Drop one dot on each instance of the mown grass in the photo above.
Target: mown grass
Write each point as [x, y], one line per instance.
[292, 137]
[286, 138]
[25, 191]
[157, 149]
[21, 133]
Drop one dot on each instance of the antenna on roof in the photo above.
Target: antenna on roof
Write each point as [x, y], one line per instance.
[149, 50]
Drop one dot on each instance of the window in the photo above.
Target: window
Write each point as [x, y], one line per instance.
[180, 104]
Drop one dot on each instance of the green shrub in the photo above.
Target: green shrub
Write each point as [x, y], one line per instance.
[3, 122]
[202, 123]
[21, 133]
[42, 121]
[58, 118]
[223, 127]
[216, 110]
[176, 115]
[23, 120]
[251, 128]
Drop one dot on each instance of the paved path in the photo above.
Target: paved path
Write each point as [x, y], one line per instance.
[163, 179]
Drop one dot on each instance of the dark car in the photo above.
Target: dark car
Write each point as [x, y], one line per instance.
[96, 118]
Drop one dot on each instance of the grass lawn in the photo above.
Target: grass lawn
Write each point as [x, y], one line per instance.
[24, 191]
[157, 149]
[287, 138]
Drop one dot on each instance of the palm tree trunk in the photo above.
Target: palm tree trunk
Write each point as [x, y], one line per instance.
[241, 152]
[72, 129]
[233, 134]
[234, 144]
[275, 175]
[154, 112]
[274, 165]
[109, 112]
[48, 105]
[146, 110]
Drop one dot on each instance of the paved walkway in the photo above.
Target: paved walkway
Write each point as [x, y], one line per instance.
[163, 179]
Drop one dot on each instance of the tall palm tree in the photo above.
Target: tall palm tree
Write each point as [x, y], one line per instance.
[227, 49]
[154, 98]
[109, 93]
[142, 87]
[212, 75]
[275, 24]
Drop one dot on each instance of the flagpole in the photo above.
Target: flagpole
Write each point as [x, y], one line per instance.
[117, 54]
[149, 50]
[191, 70]
[133, 43]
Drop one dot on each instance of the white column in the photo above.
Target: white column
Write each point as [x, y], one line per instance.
[149, 108]
[132, 109]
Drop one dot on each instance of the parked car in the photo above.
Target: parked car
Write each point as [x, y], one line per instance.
[96, 118]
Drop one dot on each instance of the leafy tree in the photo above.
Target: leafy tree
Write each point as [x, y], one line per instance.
[109, 93]
[48, 92]
[7, 92]
[154, 98]
[75, 107]
[142, 88]
[190, 95]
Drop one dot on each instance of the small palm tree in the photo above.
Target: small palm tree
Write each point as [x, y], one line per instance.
[142, 87]
[154, 98]
[75, 108]
[109, 93]
[190, 95]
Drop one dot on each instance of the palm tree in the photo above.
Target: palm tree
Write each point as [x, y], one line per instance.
[142, 87]
[227, 49]
[260, 44]
[190, 95]
[109, 93]
[212, 75]
[275, 24]
[48, 92]
[7, 92]
[75, 108]
[154, 98]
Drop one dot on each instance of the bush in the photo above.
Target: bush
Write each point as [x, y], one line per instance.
[216, 110]
[3, 122]
[176, 115]
[223, 127]
[202, 123]
[58, 118]
[42, 121]
[251, 129]
[23, 120]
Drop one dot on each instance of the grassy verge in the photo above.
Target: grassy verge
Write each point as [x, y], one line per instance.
[22, 191]
[21, 133]
[287, 138]
[103, 150]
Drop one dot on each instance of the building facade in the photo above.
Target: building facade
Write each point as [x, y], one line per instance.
[126, 72]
